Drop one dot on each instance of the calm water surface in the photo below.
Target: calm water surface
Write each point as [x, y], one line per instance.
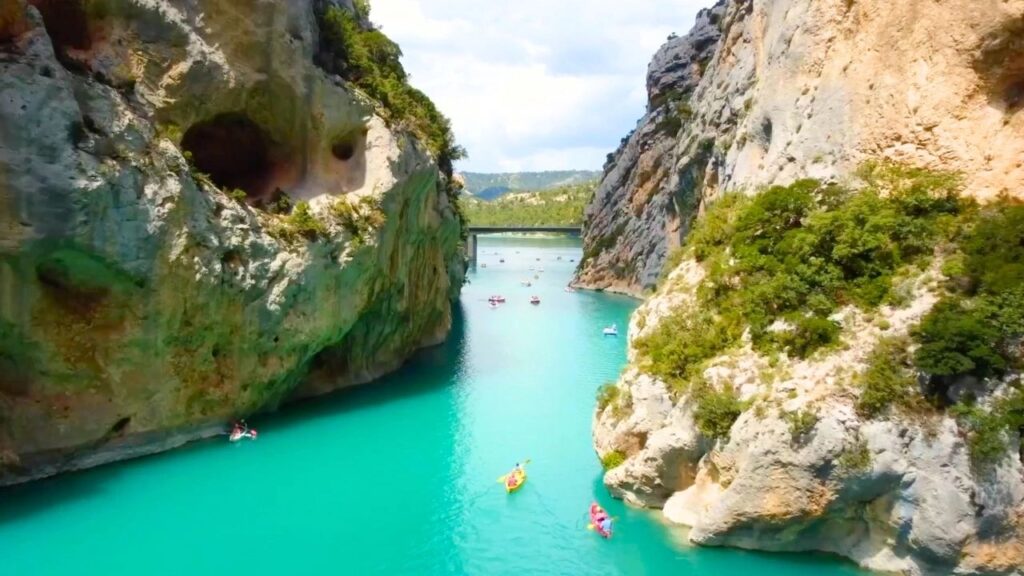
[398, 477]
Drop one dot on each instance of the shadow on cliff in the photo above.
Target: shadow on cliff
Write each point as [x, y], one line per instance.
[427, 371]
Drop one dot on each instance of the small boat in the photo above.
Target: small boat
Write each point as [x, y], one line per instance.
[597, 514]
[536, 276]
[497, 299]
[611, 331]
[572, 259]
[241, 433]
[501, 261]
[559, 258]
[534, 300]
[538, 259]
[483, 265]
[570, 289]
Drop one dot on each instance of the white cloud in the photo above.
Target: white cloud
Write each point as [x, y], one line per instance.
[534, 84]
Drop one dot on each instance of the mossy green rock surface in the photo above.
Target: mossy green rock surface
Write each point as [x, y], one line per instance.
[144, 303]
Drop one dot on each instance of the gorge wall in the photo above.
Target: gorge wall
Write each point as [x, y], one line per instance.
[198, 223]
[763, 93]
[788, 388]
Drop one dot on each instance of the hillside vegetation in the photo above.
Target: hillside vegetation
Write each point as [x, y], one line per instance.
[781, 263]
[491, 186]
[561, 206]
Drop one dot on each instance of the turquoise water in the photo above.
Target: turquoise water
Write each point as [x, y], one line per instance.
[399, 477]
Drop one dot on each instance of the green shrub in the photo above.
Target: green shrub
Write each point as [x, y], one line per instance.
[988, 430]
[889, 379]
[717, 410]
[237, 194]
[676, 349]
[281, 203]
[359, 219]
[975, 329]
[798, 253]
[303, 223]
[809, 333]
[373, 63]
[714, 230]
[607, 394]
[855, 459]
[801, 422]
[986, 433]
[613, 459]
[955, 340]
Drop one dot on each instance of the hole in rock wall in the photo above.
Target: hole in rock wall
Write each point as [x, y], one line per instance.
[66, 22]
[120, 425]
[348, 150]
[1000, 66]
[235, 152]
[344, 150]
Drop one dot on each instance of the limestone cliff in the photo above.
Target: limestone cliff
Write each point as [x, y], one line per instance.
[763, 446]
[155, 281]
[766, 92]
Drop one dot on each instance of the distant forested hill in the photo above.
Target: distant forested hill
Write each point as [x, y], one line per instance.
[491, 186]
[562, 206]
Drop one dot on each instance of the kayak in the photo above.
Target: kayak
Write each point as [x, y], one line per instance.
[238, 434]
[595, 526]
[515, 481]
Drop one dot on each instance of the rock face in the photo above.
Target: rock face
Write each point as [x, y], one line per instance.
[765, 92]
[895, 494]
[141, 305]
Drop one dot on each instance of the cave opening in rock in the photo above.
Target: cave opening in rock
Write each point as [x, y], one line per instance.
[1000, 66]
[66, 22]
[234, 151]
[120, 425]
[344, 150]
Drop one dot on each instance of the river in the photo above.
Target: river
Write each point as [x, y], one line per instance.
[397, 477]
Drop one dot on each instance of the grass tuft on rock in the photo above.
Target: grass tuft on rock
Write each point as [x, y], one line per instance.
[613, 459]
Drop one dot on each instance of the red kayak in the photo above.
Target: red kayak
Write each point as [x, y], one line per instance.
[596, 515]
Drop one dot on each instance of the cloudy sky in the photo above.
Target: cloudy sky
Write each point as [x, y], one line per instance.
[534, 84]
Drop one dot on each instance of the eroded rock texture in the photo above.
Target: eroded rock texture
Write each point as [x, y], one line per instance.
[766, 92]
[144, 299]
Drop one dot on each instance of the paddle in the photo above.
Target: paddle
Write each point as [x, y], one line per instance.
[505, 476]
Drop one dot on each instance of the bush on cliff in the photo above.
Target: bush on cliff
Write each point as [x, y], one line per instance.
[607, 394]
[371, 61]
[798, 253]
[890, 379]
[717, 410]
[977, 329]
[613, 459]
[989, 429]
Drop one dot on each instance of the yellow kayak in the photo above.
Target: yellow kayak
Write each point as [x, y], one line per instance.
[515, 481]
